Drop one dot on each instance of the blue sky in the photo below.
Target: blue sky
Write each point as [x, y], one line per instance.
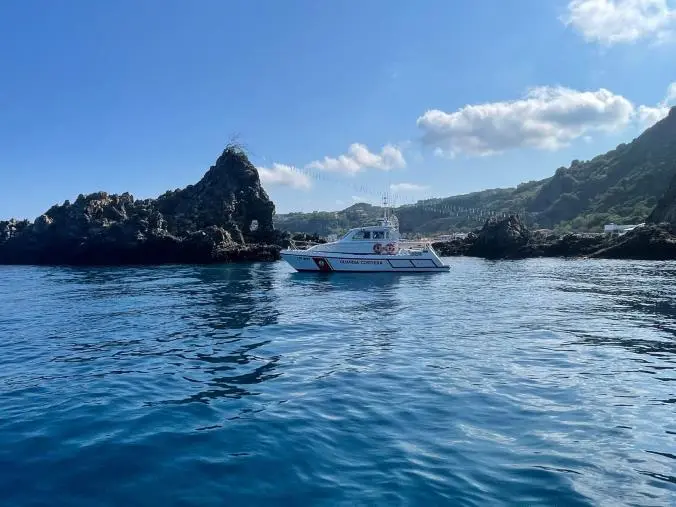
[434, 97]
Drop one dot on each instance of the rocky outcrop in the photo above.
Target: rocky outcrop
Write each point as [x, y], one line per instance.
[506, 238]
[566, 245]
[455, 246]
[651, 242]
[509, 238]
[226, 216]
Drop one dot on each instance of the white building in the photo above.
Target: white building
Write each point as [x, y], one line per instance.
[619, 229]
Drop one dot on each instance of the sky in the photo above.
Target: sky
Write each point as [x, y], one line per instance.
[335, 102]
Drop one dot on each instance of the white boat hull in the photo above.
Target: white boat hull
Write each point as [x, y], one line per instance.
[325, 261]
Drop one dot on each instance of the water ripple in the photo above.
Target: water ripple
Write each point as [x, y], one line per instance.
[540, 382]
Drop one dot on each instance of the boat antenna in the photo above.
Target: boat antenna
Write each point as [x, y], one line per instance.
[385, 207]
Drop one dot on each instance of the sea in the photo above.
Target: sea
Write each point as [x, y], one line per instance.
[535, 382]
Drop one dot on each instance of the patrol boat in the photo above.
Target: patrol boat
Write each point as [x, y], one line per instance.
[367, 249]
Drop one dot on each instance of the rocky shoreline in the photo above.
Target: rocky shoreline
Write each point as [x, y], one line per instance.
[225, 217]
[509, 238]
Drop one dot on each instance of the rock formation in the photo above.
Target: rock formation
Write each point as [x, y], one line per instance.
[226, 216]
[510, 239]
[501, 239]
[651, 242]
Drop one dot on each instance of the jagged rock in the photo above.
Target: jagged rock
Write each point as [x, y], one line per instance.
[10, 228]
[456, 246]
[510, 239]
[206, 222]
[652, 242]
[498, 239]
[568, 245]
[229, 193]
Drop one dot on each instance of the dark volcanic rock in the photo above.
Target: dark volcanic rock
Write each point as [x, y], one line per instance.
[226, 216]
[567, 245]
[505, 238]
[500, 239]
[652, 242]
[456, 246]
[510, 239]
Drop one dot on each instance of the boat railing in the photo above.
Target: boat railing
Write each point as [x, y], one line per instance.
[415, 244]
[403, 244]
[302, 245]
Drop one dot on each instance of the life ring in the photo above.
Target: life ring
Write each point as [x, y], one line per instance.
[390, 248]
[377, 248]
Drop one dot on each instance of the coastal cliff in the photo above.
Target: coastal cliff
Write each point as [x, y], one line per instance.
[226, 216]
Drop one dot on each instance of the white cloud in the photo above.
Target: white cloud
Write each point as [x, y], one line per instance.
[546, 118]
[648, 115]
[671, 94]
[284, 175]
[611, 22]
[408, 187]
[358, 158]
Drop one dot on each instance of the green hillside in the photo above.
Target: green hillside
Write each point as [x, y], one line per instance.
[621, 186]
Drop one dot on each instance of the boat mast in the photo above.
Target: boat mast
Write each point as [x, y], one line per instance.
[385, 209]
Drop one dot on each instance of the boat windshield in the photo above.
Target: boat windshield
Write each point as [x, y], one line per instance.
[379, 234]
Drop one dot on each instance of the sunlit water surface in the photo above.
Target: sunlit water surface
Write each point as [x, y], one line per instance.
[541, 382]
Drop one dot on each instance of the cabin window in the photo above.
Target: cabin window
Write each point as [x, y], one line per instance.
[378, 234]
[362, 235]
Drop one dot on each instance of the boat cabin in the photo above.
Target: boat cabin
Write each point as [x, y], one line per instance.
[371, 234]
[369, 240]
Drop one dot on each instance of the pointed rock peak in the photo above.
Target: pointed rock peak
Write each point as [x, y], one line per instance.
[233, 162]
[233, 152]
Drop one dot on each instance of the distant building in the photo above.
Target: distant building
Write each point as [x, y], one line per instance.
[619, 229]
[450, 237]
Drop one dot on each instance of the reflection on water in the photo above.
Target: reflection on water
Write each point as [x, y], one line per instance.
[539, 382]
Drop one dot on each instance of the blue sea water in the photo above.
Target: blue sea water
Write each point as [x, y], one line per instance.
[539, 382]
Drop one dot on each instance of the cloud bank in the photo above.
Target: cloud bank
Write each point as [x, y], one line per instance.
[359, 158]
[610, 22]
[546, 118]
[284, 175]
